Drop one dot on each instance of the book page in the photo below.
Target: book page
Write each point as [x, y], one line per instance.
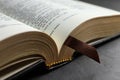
[56, 18]
[10, 27]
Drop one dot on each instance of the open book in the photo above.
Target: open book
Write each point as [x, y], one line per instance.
[41, 29]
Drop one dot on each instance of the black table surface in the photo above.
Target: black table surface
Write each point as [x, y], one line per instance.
[83, 68]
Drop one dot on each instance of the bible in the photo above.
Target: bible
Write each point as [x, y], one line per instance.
[51, 30]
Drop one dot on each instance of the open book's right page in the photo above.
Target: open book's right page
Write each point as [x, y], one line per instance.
[89, 11]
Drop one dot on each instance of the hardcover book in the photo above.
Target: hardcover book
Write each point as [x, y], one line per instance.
[51, 30]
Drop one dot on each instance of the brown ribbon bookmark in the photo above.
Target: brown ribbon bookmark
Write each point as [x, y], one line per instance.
[83, 48]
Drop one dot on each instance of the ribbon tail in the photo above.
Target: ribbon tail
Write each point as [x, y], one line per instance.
[83, 48]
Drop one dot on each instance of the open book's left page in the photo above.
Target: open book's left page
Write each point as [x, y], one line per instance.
[10, 27]
[53, 19]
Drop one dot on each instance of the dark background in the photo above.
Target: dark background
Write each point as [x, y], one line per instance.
[83, 68]
[112, 4]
